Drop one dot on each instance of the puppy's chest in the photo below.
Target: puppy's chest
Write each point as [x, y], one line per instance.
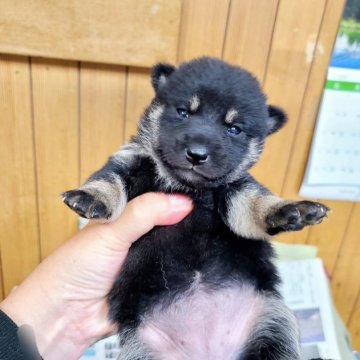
[203, 323]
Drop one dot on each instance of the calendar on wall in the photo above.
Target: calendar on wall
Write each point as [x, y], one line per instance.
[333, 170]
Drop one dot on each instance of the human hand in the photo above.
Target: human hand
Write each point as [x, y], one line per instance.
[64, 299]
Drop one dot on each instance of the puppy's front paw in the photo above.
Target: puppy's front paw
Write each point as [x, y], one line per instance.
[85, 205]
[294, 216]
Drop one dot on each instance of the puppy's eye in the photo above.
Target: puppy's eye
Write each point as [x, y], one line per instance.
[182, 113]
[234, 130]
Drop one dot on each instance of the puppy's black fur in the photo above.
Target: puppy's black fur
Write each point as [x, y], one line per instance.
[200, 135]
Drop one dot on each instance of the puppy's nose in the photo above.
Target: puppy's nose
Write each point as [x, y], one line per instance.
[197, 154]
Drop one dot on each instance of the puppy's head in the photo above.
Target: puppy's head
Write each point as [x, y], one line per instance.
[208, 121]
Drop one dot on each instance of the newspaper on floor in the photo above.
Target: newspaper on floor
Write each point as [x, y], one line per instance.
[306, 291]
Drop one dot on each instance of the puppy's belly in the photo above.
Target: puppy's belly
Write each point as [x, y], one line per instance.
[203, 324]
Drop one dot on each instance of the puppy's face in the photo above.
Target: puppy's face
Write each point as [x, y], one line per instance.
[211, 120]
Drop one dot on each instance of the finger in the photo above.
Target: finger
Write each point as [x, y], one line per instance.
[146, 211]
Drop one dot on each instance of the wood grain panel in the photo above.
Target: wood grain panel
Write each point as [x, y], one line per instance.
[203, 27]
[18, 221]
[346, 279]
[286, 79]
[55, 96]
[125, 32]
[102, 103]
[1, 280]
[138, 97]
[354, 324]
[328, 235]
[249, 32]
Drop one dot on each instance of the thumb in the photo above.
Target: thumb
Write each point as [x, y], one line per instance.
[146, 211]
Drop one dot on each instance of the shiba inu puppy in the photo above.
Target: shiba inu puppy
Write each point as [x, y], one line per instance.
[205, 288]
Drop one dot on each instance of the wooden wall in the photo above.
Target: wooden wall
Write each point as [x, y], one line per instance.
[61, 118]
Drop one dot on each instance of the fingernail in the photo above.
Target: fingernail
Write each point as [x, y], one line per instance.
[179, 202]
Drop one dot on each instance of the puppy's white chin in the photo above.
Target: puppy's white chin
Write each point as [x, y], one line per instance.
[194, 179]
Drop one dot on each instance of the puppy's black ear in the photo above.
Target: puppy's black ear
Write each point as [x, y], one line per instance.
[276, 120]
[160, 74]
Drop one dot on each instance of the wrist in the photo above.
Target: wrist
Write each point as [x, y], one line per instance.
[57, 335]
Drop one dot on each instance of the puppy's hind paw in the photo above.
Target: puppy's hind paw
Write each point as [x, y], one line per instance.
[295, 216]
[85, 205]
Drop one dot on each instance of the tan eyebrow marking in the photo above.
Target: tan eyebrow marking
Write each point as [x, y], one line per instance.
[194, 103]
[231, 115]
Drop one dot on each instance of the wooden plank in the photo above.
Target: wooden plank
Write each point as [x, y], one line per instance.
[55, 97]
[202, 30]
[249, 32]
[296, 29]
[354, 324]
[138, 97]
[18, 221]
[1, 281]
[102, 103]
[120, 32]
[328, 235]
[346, 279]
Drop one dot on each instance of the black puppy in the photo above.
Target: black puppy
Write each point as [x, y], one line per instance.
[205, 288]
